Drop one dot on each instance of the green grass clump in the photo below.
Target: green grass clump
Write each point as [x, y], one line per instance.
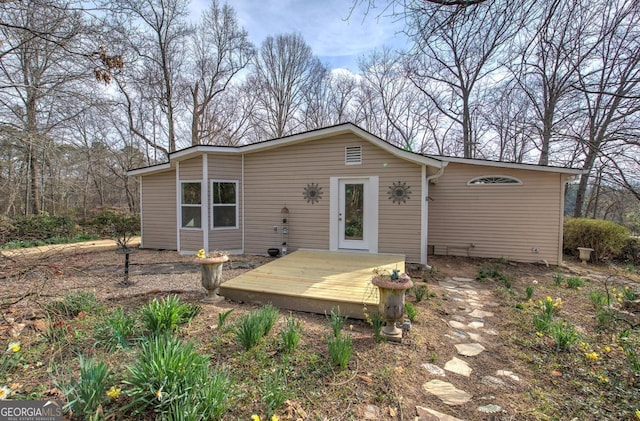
[116, 330]
[268, 316]
[73, 304]
[167, 315]
[171, 379]
[564, 334]
[574, 282]
[290, 335]
[340, 349]
[411, 310]
[274, 392]
[336, 321]
[86, 394]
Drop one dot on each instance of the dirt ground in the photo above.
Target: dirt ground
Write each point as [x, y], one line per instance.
[29, 281]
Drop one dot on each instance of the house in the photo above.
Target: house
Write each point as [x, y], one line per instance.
[346, 189]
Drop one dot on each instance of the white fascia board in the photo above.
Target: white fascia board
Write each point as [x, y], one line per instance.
[152, 169]
[497, 164]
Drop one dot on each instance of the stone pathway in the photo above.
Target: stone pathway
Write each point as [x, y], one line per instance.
[469, 315]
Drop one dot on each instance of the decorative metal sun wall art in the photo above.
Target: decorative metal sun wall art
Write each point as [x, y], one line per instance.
[399, 192]
[312, 193]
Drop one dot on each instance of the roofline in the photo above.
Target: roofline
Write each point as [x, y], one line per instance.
[517, 166]
[150, 169]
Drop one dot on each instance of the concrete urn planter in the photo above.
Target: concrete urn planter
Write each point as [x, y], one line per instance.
[585, 254]
[211, 276]
[391, 305]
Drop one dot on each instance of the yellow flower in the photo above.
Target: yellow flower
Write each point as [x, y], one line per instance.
[275, 418]
[638, 414]
[4, 392]
[549, 298]
[593, 356]
[159, 394]
[255, 417]
[14, 347]
[201, 254]
[607, 348]
[540, 334]
[114, 392]
[603, 379]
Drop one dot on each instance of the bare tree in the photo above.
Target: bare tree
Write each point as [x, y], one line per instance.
[609, 84]
[155, 34]
[453, 54]
[285, 69]
[221, 49]
[342, 88]
[39, 81]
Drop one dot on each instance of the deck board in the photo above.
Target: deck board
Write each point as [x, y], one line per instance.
[314, 281]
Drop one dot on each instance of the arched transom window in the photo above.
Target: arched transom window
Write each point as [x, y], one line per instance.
[494, 180]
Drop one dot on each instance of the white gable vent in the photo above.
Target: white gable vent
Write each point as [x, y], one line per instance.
[353, 155]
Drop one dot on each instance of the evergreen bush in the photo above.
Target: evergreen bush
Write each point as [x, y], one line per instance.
[606, 238]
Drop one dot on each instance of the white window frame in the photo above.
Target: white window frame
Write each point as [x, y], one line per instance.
[182, 205]
[237, 205]
[516, 182]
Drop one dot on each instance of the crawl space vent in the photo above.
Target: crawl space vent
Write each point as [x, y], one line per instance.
[353, 155]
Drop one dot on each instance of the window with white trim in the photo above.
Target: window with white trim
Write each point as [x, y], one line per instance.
[224, 204]
[190, 204]
[353, 155]
[494, 180]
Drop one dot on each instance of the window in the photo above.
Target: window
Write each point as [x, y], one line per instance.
[493, 180]
[224, 204]
[190, 203]
[353, 155]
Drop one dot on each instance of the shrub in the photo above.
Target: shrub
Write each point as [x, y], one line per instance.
[118, 225]
[85, 395]
[606, 238]
[173, 380]
[631, 251]
[420, 291]
[340, 349]
[42, 227]
[167, 315]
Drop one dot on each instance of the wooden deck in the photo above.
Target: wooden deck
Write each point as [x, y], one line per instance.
[314, 281]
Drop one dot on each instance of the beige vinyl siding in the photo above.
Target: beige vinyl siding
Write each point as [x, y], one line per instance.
[496, 220]
[229, 168]
[191, 169]
[190, 240]
[159, 211]
[275, 178]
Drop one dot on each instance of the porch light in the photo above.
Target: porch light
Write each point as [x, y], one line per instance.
[285, 214]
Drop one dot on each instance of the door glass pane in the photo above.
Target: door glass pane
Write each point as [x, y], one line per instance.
[354, 211]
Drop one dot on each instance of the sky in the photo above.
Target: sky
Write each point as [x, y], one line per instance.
[335, 37]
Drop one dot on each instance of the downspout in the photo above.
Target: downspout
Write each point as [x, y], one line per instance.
[141, 214]
[425, 194]
[242, 189]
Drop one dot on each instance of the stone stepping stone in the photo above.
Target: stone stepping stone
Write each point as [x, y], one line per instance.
[458, 366]
[493, 381]
[474, 336]
[456, 324]
[475, 304]
[459, 318]
[480, 314]
[490, 332]
[372, 412]
[476, 325]
[509, 374]
[490, 409]
[458, 279]
[447, 392]
[434, 369]
[428, 414]
[469, 350]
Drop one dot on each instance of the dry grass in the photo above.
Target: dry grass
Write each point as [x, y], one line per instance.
[554, 385]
